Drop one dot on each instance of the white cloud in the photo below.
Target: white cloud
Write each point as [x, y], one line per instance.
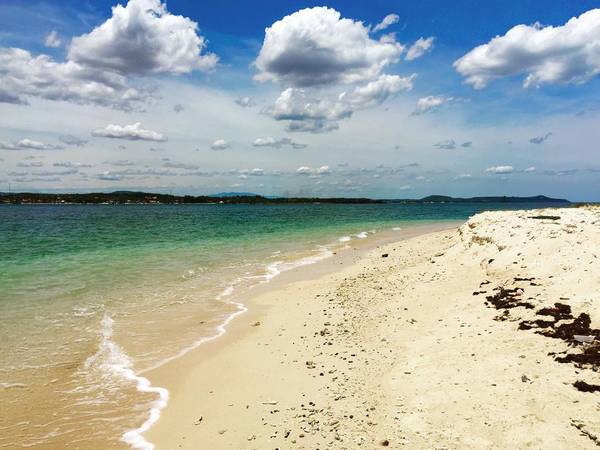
[29, 144]
[563, 54]
[52, 40]
[315, 46]
[419, 48]
[70, 164]
[448, 144]
[540, 139]
[277, 143]
[431, 103]
[245, 102]
[31, 164]
[180, 165]
[388, 20]
[377, 91]
[69, 139]
[316, 172]
[133, 132]
[24, 75]
[220, 144]
[500, 169]
[141, 38]
[306, 113]
[529, 169]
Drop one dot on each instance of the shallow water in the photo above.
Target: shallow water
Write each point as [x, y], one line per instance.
[91, 297]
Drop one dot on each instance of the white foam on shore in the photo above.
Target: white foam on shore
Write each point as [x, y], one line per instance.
[112, 360]
[361, 235]
[345, 238]
[134, 437]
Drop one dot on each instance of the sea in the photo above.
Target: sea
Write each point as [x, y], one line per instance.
[92, 297]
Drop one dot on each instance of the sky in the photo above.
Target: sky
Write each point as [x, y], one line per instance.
[380, 99]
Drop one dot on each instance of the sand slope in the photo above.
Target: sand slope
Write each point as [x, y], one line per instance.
[409, 350]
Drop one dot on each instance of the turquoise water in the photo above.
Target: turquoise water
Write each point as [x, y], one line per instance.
[92, 296]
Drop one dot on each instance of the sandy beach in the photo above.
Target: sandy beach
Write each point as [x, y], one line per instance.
[480, 336]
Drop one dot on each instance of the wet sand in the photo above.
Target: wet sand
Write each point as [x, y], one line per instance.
[450, 339]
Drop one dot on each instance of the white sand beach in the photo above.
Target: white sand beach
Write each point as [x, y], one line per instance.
[416, 345]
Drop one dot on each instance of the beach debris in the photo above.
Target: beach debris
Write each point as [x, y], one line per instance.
[507, 298]
[542, 217]
[198, 420]
[525, 378]
[222, 431]
[385, 255]
[585, 387]
[584, 339]
[270, 402]
[581, 427]
[252, 437]
[256, 324]
[385, 443]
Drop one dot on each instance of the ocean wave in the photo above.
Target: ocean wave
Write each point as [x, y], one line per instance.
[113, 361]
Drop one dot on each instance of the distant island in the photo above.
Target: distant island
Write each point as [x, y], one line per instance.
[133, 197]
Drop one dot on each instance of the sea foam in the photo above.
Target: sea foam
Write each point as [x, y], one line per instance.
[113, 360]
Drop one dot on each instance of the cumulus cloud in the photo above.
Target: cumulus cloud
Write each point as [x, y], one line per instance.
[30, 164]
[178, 107]
[133, 132]
[500, 169]
[377, 91]
[277, 143]
[529, 169]
[313, 172]
[24, 75]
[565, 54]
[69, 139]
[431, 103]
[10, 97]
[180, 165]
[448, 144]
[419, 48]
[315, 46]
[52, 40]
[141, 38]
[245, 102]
[220, 144]
[29, 144]
[467, 144]
[387, 21]
[308, 113]
[540, 139]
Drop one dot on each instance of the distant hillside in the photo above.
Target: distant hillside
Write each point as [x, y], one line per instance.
[134, 197]
[498, 199]
[234, 194]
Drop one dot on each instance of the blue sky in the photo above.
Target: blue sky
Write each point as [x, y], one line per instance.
[202, 97]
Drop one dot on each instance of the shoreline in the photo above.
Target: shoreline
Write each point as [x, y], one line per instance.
[356, 246]
[405, 350]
